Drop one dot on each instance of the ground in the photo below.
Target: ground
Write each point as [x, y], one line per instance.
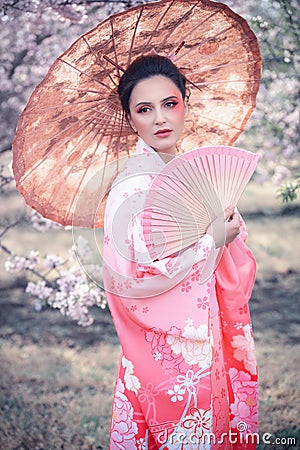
[57, 379]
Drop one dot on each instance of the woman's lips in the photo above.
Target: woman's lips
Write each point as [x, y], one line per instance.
[163, 133]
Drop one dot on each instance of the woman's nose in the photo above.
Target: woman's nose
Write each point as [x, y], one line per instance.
[159, 117]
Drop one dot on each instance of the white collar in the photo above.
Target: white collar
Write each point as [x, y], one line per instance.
[142, 147]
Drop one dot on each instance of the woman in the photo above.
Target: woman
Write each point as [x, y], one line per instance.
[187, 376]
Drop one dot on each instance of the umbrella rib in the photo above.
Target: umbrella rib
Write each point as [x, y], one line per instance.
[98, 60]
[104, 167]
[106, 158]
[134, 35]
[112, 126]
[228, 102]
[85, 171]
[76, 132]
[206, 83]
[45, 157]
[62, 107]
[191, 31]
[78, 143]
[83, 73]
[229, 125]
[59, 106]
[89, 110]
[90, 91]
[114, 46]
[221, 66]
[182, 19]
[164, 13]
[183, 54]
[79, 111]
[230, 47]
[61, 186]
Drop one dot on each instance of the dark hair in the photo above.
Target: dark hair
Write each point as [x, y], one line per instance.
[147, 66]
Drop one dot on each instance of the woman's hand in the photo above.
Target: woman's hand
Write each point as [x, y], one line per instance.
[225, 228]
[232, 224]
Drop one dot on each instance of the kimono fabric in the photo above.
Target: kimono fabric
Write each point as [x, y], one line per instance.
[187, 376]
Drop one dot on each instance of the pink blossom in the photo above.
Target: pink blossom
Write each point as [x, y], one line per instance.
[194, 344]
[203, 302]
[82, 248]
[159, 346]
[157, 356]
[127, 284]
[130, 243]
[172, 266]
[196, 275]
[148, 393]
[186, 286]
[138, 191]
[41, 224]
[53, 261]
[15, 263]
[244, 349]
[75, 296]
[39, 290]
[177, 393]
[238, 325]
[197, 246]
[198, 420]
[32, 259]
[206, 251]
[141, 444]
[244, 408]
[123, 428]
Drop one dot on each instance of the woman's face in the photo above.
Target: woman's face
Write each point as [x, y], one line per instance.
[157, 113]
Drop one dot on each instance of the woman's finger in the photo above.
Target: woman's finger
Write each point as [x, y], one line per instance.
[228, 212]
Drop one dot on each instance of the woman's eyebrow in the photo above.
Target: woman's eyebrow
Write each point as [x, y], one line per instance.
[162, 101]
[169, 98]
[142, 103]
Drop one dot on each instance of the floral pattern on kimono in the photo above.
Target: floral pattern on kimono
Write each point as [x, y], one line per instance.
[187, 374]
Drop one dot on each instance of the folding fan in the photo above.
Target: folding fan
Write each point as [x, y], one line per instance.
[190, 192]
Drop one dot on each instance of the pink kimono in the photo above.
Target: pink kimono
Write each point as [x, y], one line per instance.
[187, 375]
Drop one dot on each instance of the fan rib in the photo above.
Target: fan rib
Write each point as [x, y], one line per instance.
[205, 182]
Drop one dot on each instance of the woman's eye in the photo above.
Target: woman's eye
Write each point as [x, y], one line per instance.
[171, 104]
[144, 109]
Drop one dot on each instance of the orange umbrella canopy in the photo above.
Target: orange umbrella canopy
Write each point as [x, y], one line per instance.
[72, 138]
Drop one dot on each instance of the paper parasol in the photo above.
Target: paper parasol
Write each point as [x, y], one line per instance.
[73, 128]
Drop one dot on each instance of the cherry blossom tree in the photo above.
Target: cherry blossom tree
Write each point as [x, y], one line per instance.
[275, 126]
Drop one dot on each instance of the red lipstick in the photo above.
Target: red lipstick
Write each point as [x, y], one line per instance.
[165, 132]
